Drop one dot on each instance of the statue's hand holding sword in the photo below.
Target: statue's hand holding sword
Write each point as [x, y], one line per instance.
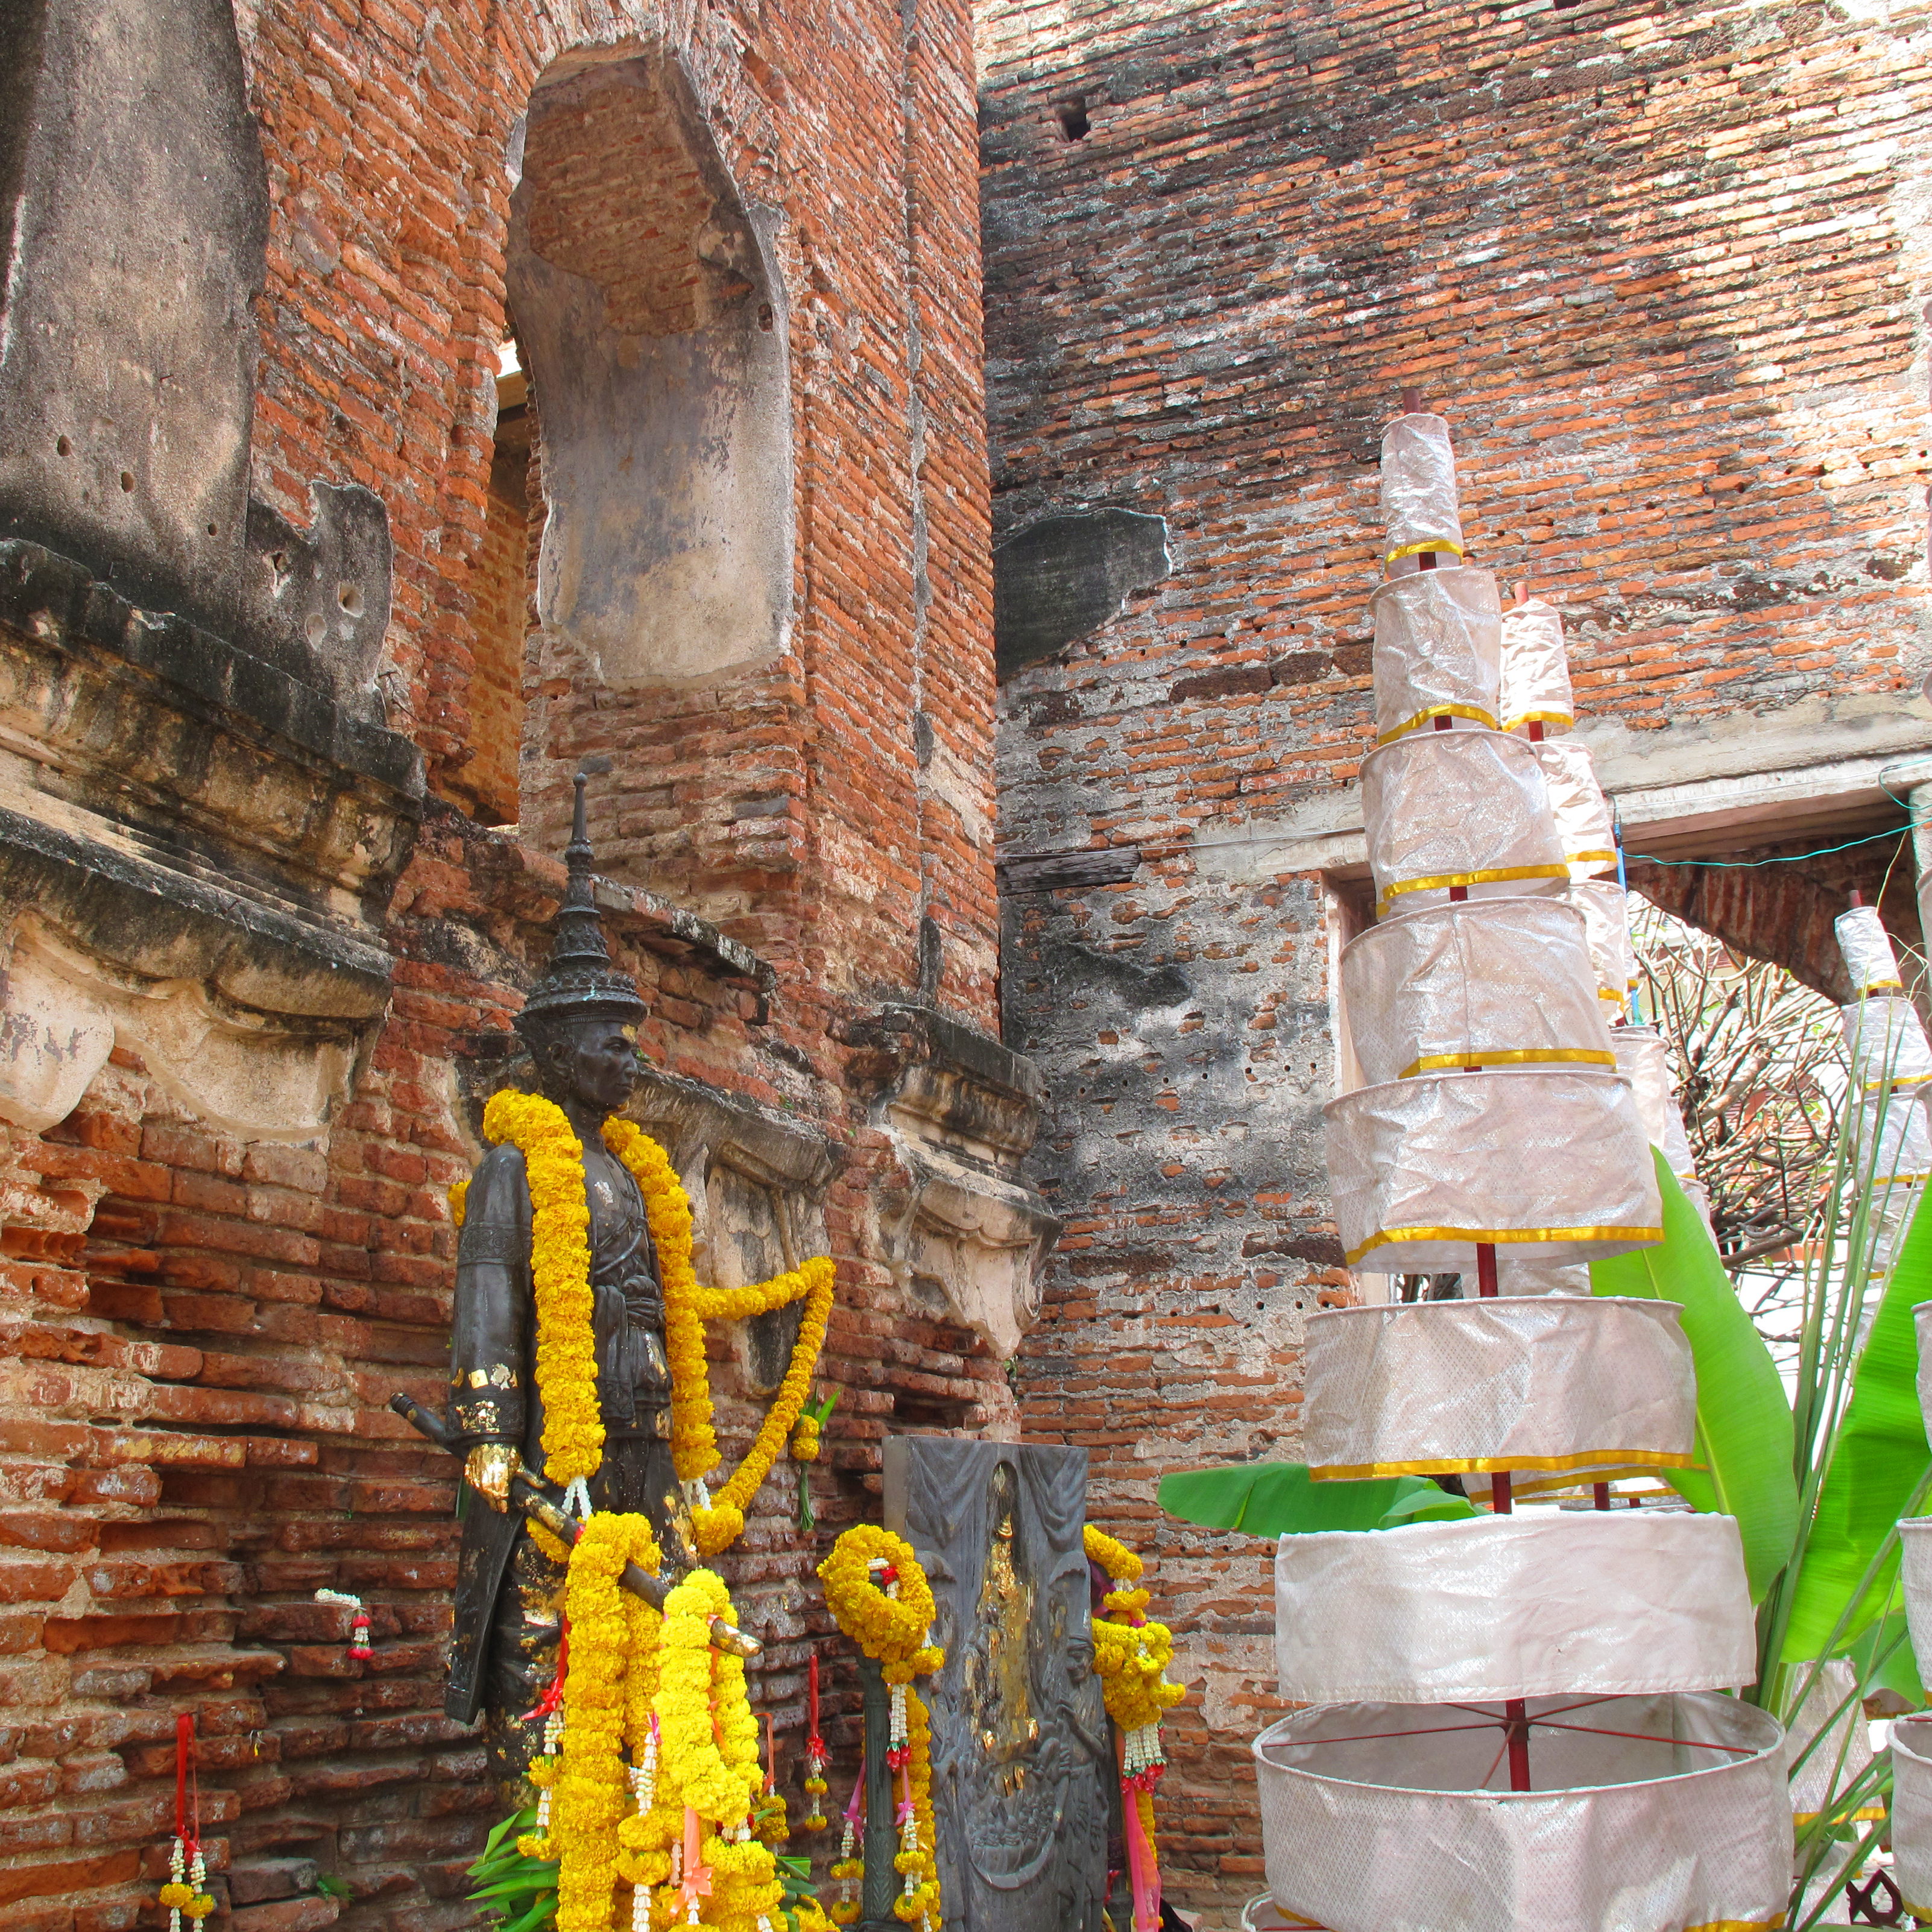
[523, 1493]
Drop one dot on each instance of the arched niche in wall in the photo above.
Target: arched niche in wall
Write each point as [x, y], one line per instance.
[650, 317]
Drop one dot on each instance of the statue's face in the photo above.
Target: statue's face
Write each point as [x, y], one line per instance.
[596, 1062]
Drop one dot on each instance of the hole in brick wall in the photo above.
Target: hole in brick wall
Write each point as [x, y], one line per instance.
[1072, 115]
[648, 313]
[925, 1410]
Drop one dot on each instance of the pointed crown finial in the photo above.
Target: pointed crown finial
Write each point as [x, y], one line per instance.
[580, 977]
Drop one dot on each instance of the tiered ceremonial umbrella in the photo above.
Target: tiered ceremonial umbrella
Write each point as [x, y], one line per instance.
[1891, 1083]
[1514, 1718]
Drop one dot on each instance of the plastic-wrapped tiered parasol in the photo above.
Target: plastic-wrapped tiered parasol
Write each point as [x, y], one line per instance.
[1891, 1087]
[1515, 1720]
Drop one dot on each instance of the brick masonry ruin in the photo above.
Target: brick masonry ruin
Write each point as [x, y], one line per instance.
[1665, 270]
[305, 619]
[397, 408]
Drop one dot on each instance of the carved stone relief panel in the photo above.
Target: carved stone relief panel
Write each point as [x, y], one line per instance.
[62, 1009]
[1022, 1752]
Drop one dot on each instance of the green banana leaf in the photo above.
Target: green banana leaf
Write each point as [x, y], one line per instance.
[1889, 1638]
[1280, 1499]
[1743, 1416]
[1878, 1457]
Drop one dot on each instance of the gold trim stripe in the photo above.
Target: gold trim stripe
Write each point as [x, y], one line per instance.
[1593, 858]
[1539, 718]
[1422, 718]
[1515, 1056]
[1881, 986]
[1501, 1237]
[1903, 1080]
[1486, 1465]
[1427, 543]
[1437, 880]
[1866, 1814]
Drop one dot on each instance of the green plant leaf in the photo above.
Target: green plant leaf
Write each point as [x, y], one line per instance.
[1427, 1504]
[1281, 1499]
[1744, 1415]
[1899, 1672]
[543, 1912]
[1878, 1457]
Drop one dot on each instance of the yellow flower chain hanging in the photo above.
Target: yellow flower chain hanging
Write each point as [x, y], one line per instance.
[1130, 1658]
[566, 1365]
[879, 1597]
[718, 1520]
[674, 1823]
[586, 1784]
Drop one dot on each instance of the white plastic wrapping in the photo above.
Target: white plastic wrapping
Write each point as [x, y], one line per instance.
[1539, 1274]
[1419, 510]
[1535, 670]
[1409, 1833]
[1912, 1813]
[1545, 1602]
[1644, 1061]
[1867, 947]
[1914, 1561]
[1438, 637]
[1605, 909]
[1841, 1755]
[1536, 1160]
[1520, 1383]
[1699, 1196]
[1892, 1145]
[1922, 1322]
[1578, 806]
[1468, 809]
[1498, 982]
[1886, 1041]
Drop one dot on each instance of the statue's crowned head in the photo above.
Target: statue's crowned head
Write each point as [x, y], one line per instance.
[580, 1020]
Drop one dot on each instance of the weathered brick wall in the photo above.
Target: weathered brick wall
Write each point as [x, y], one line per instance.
[1663, 268]
[205, 1329]
[488, 782]
[387, 142]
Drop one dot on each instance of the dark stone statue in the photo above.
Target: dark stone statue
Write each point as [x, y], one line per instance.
[1023, 1761]
[581, 1025]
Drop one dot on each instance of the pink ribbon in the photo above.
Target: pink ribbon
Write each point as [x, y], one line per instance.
[1143, 1874]
[697, 1883]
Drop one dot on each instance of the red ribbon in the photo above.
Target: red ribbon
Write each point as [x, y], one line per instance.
[184, 1759]
[815, 1752]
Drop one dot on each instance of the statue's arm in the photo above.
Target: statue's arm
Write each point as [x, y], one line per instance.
[487, 1350]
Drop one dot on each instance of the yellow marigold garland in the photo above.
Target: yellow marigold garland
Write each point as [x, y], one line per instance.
[566, 1367]
[589, 1782]
[717, 1521]
[891, 1630]
[656, 1684]
[1130, 1657]
[879, 1597]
